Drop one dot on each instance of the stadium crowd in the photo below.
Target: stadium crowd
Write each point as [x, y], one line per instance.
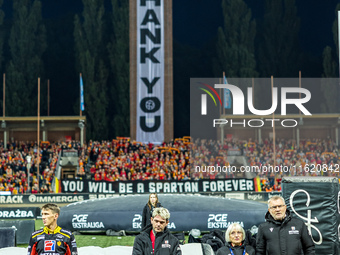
[122, 159]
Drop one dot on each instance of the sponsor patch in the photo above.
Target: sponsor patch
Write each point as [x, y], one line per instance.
[49, 246]
[165, 245]
[293, 231]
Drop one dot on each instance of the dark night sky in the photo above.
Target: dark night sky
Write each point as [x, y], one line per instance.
[195, 22]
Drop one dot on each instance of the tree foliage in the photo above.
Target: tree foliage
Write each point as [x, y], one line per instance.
[235, 41]
[27, 43]
[328, 88]
[90, 56]
[2, 34]
[119, 59]
[278, 47]
[330, 70]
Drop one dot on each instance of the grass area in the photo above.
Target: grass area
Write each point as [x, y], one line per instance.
[103, 240]
[100, 240]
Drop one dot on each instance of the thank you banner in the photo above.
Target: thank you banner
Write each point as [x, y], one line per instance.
[150, 71]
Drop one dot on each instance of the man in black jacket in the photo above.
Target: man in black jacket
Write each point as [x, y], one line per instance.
[156, 238]
[282, 234]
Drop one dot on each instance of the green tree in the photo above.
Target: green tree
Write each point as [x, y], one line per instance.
[90, 56]
[329, 64]
[119, 60]
[235, 41]
[329, 88]
[278, 47]
[27, 43]
[2, 36]
[60, 66]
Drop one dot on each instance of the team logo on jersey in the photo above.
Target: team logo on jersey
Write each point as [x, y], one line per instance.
[271, 229]
[293, 231]
[49, 245]
[166, 244]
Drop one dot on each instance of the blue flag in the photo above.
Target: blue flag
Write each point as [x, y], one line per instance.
[227, 97]
[82, 105]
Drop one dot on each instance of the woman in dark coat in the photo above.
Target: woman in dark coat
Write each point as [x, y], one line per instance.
[148, 209]
[235, 244]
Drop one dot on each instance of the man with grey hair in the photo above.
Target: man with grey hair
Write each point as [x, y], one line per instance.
[156, 239]
[282, 234]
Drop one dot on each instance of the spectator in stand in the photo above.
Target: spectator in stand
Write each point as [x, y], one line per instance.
[149, 208]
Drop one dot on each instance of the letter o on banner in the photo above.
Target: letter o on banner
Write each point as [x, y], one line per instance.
[150, 104]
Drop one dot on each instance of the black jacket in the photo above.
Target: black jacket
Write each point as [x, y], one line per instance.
[147, 213]
[165, 243]
[237, 250]
[287, 237]
[60, 242]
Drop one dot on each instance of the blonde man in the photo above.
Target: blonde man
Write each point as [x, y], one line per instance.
[52, 239]
[156, 239]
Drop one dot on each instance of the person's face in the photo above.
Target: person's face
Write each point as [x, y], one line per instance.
[277, 209]
[48, 217]
[153, 199]
[236, 236]
[158, 224]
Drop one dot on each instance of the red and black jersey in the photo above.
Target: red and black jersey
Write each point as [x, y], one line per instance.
[57, 242]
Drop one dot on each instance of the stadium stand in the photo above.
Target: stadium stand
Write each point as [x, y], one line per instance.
[123, 159]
